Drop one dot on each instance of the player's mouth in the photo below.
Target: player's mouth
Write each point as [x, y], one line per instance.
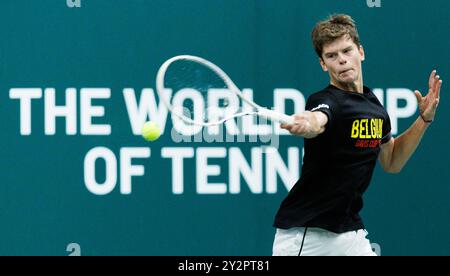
[345, 71]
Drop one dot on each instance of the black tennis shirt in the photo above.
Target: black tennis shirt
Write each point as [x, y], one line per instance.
[338, 164]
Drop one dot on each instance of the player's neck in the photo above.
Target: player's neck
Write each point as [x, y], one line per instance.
[356, 86]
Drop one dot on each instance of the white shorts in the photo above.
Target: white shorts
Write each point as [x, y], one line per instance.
[311, 241]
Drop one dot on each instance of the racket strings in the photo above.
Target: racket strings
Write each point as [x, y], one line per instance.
[200, 96]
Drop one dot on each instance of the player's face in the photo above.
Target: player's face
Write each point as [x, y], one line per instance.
[342, 59]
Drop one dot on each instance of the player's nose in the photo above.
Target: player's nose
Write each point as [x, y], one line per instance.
[341, 58]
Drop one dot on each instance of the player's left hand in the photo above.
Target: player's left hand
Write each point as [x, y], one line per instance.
[429, 103]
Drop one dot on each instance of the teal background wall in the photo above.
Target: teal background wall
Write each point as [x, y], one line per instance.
[262, 44]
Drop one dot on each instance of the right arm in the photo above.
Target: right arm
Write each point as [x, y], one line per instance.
[307, 124]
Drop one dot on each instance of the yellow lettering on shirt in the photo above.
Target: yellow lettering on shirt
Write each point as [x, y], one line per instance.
[373, 128]
[355, 127]
[367, 128]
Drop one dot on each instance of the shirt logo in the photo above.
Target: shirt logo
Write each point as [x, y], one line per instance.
[368, 132]
[320, 106]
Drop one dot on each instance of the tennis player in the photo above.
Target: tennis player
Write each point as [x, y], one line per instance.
[346, 130]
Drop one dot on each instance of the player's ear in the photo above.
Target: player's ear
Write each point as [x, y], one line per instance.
[361, 52]
[324, 66]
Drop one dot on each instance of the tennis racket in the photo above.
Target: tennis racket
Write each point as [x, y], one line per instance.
[205, 93]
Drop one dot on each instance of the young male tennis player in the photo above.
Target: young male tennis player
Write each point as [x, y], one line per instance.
[346, 130]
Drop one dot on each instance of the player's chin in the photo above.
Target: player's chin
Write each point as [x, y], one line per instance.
[348, 79]
[348, 76]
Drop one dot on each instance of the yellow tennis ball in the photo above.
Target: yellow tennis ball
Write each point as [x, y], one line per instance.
[151, 131]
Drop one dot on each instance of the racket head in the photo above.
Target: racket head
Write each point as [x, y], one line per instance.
[198, 92]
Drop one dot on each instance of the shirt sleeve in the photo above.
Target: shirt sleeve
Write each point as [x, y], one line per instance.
[386, 129]
[323, 103]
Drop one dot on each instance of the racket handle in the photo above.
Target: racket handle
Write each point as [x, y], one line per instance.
[276, 116]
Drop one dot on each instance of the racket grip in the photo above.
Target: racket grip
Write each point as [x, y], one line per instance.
[276, 116]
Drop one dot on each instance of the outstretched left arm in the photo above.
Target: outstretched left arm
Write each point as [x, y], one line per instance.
[395, 153]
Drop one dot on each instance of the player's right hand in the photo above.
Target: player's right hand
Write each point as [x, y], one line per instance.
[306, 124]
